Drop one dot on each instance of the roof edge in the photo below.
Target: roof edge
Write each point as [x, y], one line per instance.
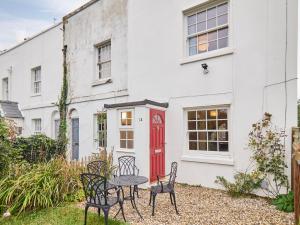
[136, 103]
[31, 38]
[74, 12]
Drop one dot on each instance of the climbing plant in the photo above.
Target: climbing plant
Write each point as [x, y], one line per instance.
[63, 109]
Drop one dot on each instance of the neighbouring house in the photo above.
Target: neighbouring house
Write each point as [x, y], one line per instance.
[163, 81]
[10, 111]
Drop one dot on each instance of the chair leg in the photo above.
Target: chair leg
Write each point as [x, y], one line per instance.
[153, 203]
[171, 199]
[106, 216]
[136, 189]
[122, 210]
[150, 198]
[85, 214]
[174, 198]
[99, 211]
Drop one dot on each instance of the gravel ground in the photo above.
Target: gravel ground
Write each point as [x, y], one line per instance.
[198, 205]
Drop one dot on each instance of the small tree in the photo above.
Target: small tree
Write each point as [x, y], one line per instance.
[266, 143]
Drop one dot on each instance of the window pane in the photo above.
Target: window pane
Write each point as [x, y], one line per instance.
[222, 113]
[223, 19]
[212, 36]
[192, 125]
[193, 136]
[202, 136]
[202, 38]
[211, 23]
[212, 125]
[192, 145]
[212, 136]
[201, 125]
[201, 16]
[193, 41]
[201, 26]
[193, 50]
[212, 45]
[129, 134]
[192, 29]
[202, 48]
[122, 134]
[122, 143]
[223, 42]
[222, 9]
[211, 13]
[201, 115]
[223, 32]
[130, 144]
[223, 136]
[192, 115]
[211, 114]
[192, 19]
[129, 122]
[223, 146]
[222, 125]
[212, 146]
[202, 146]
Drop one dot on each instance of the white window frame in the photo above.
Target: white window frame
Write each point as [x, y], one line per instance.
[208, 54]
[126, 128]
[34, 124]
[213, 154]
[100, 62]
[35, 81]
[97, 132]
[5, 90]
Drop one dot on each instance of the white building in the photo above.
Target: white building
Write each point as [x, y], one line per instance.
[166, 81]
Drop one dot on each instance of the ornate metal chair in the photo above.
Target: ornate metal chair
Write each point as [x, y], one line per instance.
[99, 196]
[127, 167]
[97, 167]
[165, 187]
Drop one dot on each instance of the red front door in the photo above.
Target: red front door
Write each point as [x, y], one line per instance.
[157, 144]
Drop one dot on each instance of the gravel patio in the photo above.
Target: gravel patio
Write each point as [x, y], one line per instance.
[198, 205]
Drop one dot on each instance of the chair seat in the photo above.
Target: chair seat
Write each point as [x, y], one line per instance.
[111, 201]
[166, 188]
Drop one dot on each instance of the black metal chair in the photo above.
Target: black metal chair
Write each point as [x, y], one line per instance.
[99, 196]
[127, 167]
[165, 187]
[97, 167]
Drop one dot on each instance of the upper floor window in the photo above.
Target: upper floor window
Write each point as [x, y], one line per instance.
[104, 60]
[207, 29]
[126, 130]
[36, 80]
[5, 89]
[208, 129]
[37, 126]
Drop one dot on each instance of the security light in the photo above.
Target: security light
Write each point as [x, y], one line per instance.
[205, 68]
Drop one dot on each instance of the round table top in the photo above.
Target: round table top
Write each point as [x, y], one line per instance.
[128, 180]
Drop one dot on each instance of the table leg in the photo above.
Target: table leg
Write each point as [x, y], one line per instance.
[135, 207]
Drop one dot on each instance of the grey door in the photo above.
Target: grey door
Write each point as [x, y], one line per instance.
[75, 139]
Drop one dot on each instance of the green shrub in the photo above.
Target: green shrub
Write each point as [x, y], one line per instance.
[244, 183]
[39, 186]
[284, 202]
[36, 148]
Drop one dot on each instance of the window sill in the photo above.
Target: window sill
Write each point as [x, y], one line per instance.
[101, 81]
[210, 159]
[35, 95]
[123, 150]
[207, 55]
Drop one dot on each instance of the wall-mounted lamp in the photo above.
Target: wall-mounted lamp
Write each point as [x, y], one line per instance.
[205, 68]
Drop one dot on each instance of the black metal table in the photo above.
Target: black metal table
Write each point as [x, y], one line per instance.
[129, 181]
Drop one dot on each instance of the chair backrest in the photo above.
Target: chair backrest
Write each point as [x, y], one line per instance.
[173, 174]
[97, 167]
[94, 187]
[126, 165]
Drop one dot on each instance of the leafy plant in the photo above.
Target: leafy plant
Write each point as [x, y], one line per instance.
[36, 148]
[266, 143]
[284, 202]
[244, 183]
[39, 186]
